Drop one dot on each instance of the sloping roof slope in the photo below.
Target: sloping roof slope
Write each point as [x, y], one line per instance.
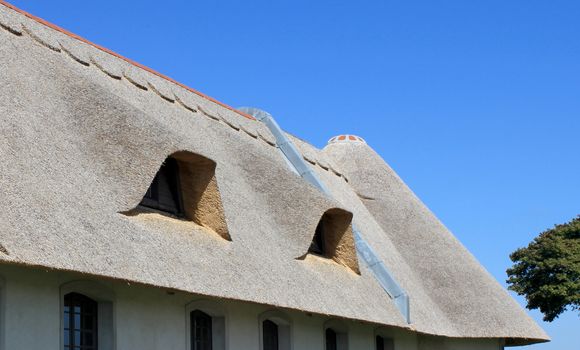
[446, 283]
[83, 134]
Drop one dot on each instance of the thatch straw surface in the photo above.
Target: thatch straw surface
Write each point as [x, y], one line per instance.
[83, 134]
[449, 289]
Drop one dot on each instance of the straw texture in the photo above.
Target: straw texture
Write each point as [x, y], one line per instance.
[83, 134]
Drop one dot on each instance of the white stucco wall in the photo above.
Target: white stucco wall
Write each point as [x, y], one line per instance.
[147, 318]
[438, 343]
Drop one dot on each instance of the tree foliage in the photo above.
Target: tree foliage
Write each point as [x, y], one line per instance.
[547, 271]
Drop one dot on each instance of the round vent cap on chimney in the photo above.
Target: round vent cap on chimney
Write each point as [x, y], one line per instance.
[346, 139]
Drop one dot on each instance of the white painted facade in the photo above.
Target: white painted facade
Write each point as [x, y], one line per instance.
[146, 318]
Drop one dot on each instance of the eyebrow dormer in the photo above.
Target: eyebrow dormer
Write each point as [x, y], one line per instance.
[333, 239]
[185, 187]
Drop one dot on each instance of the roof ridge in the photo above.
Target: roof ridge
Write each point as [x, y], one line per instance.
[128, 60]
[319, 159]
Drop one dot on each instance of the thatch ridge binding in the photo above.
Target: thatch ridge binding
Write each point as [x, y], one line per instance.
[126, 69]
[66, 32]
[44, 39]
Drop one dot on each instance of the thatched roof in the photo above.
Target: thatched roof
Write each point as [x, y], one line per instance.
[85, 131]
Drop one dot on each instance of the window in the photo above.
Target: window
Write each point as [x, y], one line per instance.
[164, 194]
[270, 335]
[331, 341]
[80, 322]
[201, 330]
[333, 239]
[385, 343]
[87, 316]
[317, 245]
[335, 335]
[276, 330]
[206, 322]
[186, 187]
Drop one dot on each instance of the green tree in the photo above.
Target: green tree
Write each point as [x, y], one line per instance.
[547, 271]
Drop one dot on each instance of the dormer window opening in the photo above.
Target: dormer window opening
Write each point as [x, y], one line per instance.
[333, 239]
[164, 194]
[186, 188]
[317, 245]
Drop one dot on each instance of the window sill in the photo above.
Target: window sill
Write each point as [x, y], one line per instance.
[166, 222]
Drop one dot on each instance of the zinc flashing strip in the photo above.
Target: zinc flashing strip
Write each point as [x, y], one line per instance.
[382, 274]
[291, 154]
[365, 252]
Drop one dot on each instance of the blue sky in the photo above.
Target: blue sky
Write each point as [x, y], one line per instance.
[475, 104]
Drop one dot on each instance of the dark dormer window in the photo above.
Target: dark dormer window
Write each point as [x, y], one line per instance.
[185, 187]
[164, 194]
[333, 239]
[317, 245]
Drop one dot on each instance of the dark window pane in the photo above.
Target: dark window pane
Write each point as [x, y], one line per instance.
[270, 335]
[164, 192]
[201, 330]
[385, 343]
[331, 343]
[87, 338]
[380, 343]
[317, 245]
[87, 323]
[80, 326]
